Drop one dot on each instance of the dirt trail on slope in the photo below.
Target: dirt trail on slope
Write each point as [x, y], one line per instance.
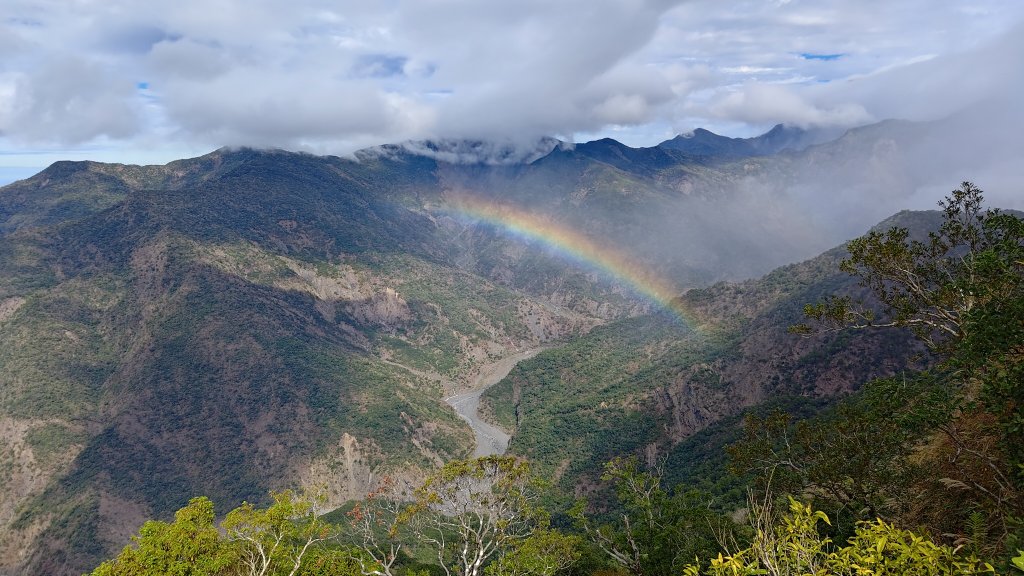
[489, 438]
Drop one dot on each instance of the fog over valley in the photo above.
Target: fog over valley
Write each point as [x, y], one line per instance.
[515, 288]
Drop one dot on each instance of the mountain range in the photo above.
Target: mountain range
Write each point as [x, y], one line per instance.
[254, 319]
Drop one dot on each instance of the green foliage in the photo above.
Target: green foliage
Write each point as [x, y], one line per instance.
[654, 532]
[793, 546]
[189, 546]
[375, 526]
[961, 291]
[595, 386]
[545, 552]
[992, 350]
[1018, 560]
[857, 456]
[472, 510]
[932, 286]
[276, 539]
[50, 441]
[286, 538]
[55, 351]
[330, 562]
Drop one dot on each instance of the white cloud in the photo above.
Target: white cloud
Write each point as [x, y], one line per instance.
[773, 103]
[68, 100]
[329, 75]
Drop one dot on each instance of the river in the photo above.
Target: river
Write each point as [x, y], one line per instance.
[489, 438]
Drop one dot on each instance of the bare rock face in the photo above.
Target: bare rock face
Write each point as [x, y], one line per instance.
[345, 470]
[386, 309]
[27, 466]
[9, 306]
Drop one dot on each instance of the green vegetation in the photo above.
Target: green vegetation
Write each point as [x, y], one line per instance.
[939, 449]
[595, 386]
[467, 512]
[50, 441]
[795, 546]
[637, 384]
[851, 473]
[191, 545]
[221, 325]
[653, 532]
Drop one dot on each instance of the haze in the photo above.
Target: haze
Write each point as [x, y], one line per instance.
[150, 82]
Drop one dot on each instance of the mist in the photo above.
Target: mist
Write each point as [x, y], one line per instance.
[504, 85]
[792, 207]
[332, 79]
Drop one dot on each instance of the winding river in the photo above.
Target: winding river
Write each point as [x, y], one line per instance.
[489, 438]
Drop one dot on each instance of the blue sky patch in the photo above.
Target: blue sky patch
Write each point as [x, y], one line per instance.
[380, 66]
[825, 57]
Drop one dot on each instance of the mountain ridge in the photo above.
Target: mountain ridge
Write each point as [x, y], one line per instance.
[247, 319]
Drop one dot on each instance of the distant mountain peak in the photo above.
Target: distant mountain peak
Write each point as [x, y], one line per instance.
[703, 142]
[471, 151]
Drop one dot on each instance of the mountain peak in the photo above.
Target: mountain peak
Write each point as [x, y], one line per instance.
[703, 142]
[470, 151]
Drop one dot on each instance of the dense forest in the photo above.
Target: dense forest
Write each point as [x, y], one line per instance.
[918, 473]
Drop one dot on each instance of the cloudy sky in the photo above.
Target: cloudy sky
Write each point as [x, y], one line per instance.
[150, 81]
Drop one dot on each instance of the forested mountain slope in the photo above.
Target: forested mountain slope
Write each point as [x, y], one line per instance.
[249, 320]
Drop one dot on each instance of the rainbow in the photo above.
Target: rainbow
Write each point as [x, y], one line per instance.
[619, 265]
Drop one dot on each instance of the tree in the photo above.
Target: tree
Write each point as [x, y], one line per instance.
[654, 532]
[794, 547]
[858, 456]
[374, 525]
[545, 552]
[961, 291]
[928, 286]
[329, 562]
[471, 510]
[189, 546]
[992, 351]
[279, 536]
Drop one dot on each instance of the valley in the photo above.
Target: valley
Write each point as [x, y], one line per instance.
[252, 320]
[516, 288]
[489, 438]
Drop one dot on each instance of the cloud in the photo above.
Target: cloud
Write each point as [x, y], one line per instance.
[327, 76]
[767, 103]
[249, 106]
[936, 86]
[68, 100]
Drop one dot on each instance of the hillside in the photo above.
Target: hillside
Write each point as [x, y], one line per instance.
[250, 320]
[646, 385]
[259, 319]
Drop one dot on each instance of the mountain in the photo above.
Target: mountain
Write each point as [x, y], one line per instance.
[649, 387]
[250, 320]
[781, 137]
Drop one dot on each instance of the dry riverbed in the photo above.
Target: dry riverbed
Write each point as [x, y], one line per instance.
[489, 438]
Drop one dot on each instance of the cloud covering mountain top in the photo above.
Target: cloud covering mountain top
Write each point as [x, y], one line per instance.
[338, 76]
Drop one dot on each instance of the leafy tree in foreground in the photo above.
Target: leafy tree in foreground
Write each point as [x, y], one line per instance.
[189, 546]
[928, 286]
[374, 524]
[277, 538]
[961, 291]
[655, 532]
[469, 511]
[545, 552]
[794, 547]
[859, 457]
[282, 539]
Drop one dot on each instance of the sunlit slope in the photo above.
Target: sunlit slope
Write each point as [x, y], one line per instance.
[275, 321]
[254, 319]
[647, 385]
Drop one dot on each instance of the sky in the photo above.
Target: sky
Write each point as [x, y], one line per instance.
[151, 81]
